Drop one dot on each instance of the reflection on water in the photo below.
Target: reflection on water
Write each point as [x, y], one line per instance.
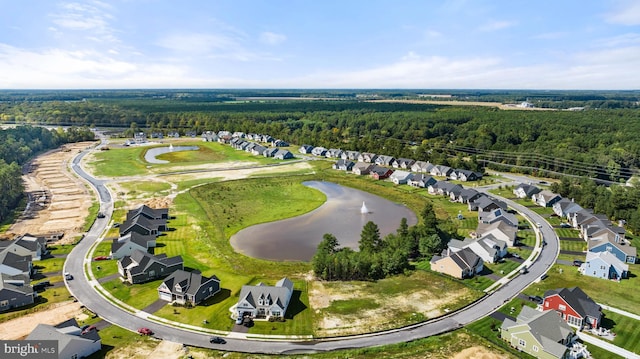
[150, 155]
[297, 238]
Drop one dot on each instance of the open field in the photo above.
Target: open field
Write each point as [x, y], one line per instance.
[499, 105]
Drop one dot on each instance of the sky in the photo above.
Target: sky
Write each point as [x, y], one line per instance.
[320, 44]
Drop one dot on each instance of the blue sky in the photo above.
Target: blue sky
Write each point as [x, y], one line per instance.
[457, 44]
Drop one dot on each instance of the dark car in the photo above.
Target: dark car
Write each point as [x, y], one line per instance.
[577, 263]
[100, 215]
[217, 340]
[145, 331]
[68, 276]
[536, 298]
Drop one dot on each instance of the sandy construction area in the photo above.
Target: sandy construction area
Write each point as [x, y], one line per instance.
[21, 327]
[63, 199]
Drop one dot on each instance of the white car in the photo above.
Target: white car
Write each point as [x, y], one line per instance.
[539, 225]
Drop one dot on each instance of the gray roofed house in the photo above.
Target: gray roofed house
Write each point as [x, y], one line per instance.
[283, 154]
[367, 157]
[421, 166]
[465, 175]
[545, 198]
[362, 168]
[485, 203]
[26, 245]
[422, 180]
[440, 170]
[262, 301]
[319, 151]
[489, 248]
[400, 177]
[343, 165]
[209, 136]
[499, 230]
[258, 150]
[333, 153]
[575, 302]
[498, 215]
[564, 207]
[158, 214]
[305, 149]
[131, 241]
[141, 225]
[466, 195]
[14, 264]
[541, 334]
[270, 152]
[404, 163]
[524, 190]
[188, 288]
[383, 160]
[350, 155]
[15, 291]
[73, 342]
[142, 267]
[459, 264]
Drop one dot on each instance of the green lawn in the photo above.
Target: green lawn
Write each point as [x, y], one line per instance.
[155, 188]
[568, 232]
[138, 295]
[488, 328]
[49, 265]
[627, 330]
[575, 246]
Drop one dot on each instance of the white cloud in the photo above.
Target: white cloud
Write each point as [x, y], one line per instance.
[620, 40]
[496, 25]
[271, 38]
[91, 19]
[627, 12]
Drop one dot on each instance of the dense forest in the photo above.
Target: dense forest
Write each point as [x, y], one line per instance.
[20, 144]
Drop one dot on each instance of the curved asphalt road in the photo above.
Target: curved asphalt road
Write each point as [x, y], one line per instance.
[85, 292]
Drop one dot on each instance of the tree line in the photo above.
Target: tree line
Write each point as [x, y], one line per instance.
[379, 257]
[19, 145]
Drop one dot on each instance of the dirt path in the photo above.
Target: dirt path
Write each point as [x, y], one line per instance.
[21, 327]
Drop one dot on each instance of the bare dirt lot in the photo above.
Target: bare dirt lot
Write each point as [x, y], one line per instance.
[59, 201]
[21, 327]
[502, 106]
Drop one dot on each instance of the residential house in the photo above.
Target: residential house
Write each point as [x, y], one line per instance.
[380, 173]
[564, 207]
[401, 177]
[238, 134]
[498, 215]
[343, 165]
[258, 150]
[267, 139]
[577, 219]
[142, 267]
[465, 195]
[621, 249]
[460, 264]
[73, 342]
[604, 265]
[362, 168]
[131, 242]
[545, 198]
[139, 138]
[319, 151]
[499, 230]
[251, 146]
[486, 204]
[444, 188]
[465, 175]
[421, 166]
[333, 153]
[188, 288]
[488, 247]
[26, 245]
[209, 136]
[541, 334]
[149, 213]
[140, 225]
[283, 155]
[441, 171]
[574, 306]
[263, 301]
[524, 190]
[15, 291]
[421, 180]
[280, 143]
[14, 264]
[367, 157]
[404, 163]
[383, 160]
[305, 149]
[350, 155]
[270, 152]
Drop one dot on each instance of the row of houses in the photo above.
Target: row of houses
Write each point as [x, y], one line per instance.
[496, 231]
[226, 137]
[138, 264]
[257, 149]
[16, 270]
[608, 252]
[548, 331]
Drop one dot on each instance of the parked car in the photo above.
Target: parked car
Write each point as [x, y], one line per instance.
[100, 258]
[565, 225]
[145, 331]
[68, 276]
[247, 322]
[536, 298]
[100, 215]
[239, 320]
[88, 328]
[544, 276]
[217, 340]
[515, 255]
[539, 225]
[577, 263]
[524, 270]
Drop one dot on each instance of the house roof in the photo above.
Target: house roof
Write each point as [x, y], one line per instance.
[609, 258]
[498, 215]
[66, 333]
[142, 221]
[401, 175]
[16, 261]
[528, 189]
[465, 258]
[578, 300]
[279, 294]
[627, 249]
[139, 262]
[192, 281]
[5, 283]
[148, 212]
[547, 327]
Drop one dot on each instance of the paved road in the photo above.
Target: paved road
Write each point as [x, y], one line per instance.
[84, 290]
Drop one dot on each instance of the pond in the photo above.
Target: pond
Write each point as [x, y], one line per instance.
[152, 153]
[298, 238]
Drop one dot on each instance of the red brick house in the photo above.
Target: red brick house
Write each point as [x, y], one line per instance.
[381, 173]
[574, 306]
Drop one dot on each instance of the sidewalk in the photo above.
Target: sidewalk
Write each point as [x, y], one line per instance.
[607, 346]
[619, 311]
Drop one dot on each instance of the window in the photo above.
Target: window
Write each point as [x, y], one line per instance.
[546, 304]
[535, 348]
[562, 307]
[4, 303]
[522, 343]
[574, 321]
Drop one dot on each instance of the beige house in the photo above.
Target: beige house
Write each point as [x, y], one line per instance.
[461, 264]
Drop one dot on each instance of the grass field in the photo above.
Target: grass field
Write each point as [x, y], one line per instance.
[627, 330]
[574, 246]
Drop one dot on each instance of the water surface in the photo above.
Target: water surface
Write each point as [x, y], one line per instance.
[152, 153]
[297, 238]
